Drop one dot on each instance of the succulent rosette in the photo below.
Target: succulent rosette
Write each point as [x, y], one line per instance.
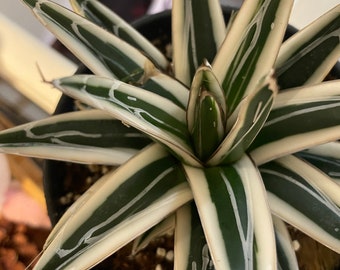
[235, 135]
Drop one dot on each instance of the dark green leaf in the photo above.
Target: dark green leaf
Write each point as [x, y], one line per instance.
[199, 30]
[250, 49]
[101, 15]
[102, 52]
[86, 136]
[191, 249]
[136, 107]
[144, 191]
[309, 55]
[250, 118]
[296, 200]
[312, 116]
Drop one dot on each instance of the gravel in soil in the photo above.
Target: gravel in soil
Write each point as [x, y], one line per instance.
[19, 244]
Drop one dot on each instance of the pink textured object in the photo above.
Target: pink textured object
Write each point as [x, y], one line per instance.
[15, 204]
[19, 207]
[5, 177]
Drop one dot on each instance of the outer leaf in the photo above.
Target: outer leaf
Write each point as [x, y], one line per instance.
[86, 137]
[101, 15]
[149, 185]
[235, 215]
[135, 107]
[191, 249]
[312, 116]
[199, 30]
[103, 53]
[251, 116]
[298, 201]
[77, 205]
[325, 157]
[286, 255]
[331, 149]
[250, 48]
[315, 177]
[328, 165]
[309, 55]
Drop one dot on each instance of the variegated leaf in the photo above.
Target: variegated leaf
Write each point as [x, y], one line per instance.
[250, 48]
[232, 206]
[204, 80]
[91, 136]
[75, 206]
[166, 87]
[191, 249]
[209, 116]
[206, 111]
[308, 56]
[135, 107]
[199, 30]
[325, 157]
[152, 183]
[315, 177]
[285, 253]
[331, 149]
[312, 116]
[297, 200]
[102, 52]
[250, 117]
[327, 165]
[101, 15]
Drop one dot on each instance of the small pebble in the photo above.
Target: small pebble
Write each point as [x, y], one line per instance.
[158, 267]
[170, 256]
[296, 245]
[160, 252]
[19, 239]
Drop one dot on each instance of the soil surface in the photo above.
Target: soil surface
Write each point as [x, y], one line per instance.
[19, 245]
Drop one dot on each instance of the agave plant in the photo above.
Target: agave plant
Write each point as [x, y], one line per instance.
[233, 136]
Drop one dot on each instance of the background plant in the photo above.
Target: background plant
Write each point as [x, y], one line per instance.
[229, 149]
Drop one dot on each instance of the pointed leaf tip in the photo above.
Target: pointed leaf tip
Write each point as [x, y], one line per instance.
[206, 111]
